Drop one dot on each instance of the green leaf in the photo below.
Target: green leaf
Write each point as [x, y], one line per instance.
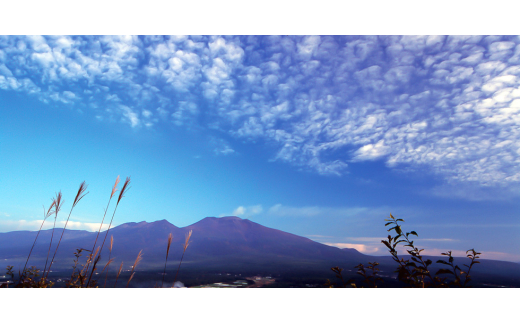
[414, 233]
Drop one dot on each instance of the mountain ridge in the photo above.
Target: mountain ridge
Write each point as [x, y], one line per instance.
[213, 237]
[226, 244]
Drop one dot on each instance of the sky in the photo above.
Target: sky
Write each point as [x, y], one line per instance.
[320, 136]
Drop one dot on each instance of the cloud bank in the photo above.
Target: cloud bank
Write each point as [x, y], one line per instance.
[450, 105]
[24, 225]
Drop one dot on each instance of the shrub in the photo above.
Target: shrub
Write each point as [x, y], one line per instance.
[415, 272]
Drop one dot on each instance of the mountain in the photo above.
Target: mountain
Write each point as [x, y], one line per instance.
[232, 235]
[217, 245]
[228, 241]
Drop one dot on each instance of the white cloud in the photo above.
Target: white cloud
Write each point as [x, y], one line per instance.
[130, 116]
[24, 225]
[73, 225]
[220, 146]
[371, 151]
[449, 104]
[146, 113]
[245, 211]
[363, 248]
[239, 210]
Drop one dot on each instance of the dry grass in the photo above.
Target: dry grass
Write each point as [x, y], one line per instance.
[185, 246]
[109, 259]
[45, 216]
[124, 189]
[58, 203]
[81, 193]
[137, 261]
[187, 240]
[121, 195]
[114, 189]
[30, 277]
[170, 237]
[118, 273]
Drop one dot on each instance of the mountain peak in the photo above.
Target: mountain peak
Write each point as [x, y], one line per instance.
[228, 218]
[161, 222]
[216, 220]
[231, 217]
[144, 224]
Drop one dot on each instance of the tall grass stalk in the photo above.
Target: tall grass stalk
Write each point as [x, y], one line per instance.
[186, 243]
[57, 207]
[45, 216]
[114, 190]
[118, 273]
[83, 273]
[167, 251]
[81, 193]
[109, 259]
[106, 268]
[121, 195]
[137, 261]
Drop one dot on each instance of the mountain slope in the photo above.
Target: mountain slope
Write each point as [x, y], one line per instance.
[228, 240]
[228, 244]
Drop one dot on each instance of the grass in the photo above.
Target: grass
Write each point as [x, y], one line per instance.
[82, 275]
[186, 243]
[170, 237]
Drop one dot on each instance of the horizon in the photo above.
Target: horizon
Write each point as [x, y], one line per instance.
[318, 136]
[401, 251]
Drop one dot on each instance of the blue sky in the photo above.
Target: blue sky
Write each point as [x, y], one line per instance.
[315, 135]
